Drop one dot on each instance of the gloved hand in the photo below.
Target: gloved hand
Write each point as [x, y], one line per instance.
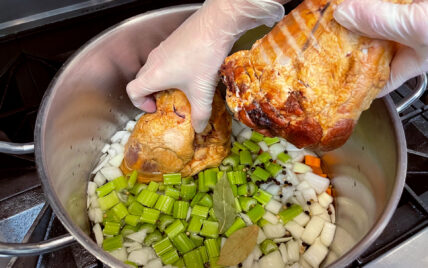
[404, 24]
[189, 59]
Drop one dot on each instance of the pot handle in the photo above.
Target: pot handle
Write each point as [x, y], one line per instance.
[28, 249]
[16, 148]
[421, 86]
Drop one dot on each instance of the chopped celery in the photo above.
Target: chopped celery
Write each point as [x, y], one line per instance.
[165, 204]
[200, 211]
[209, 229]
[105, 189]
[193, 259]
[213, 247]
[174, 228]
[163, 246]
[203, 188]
[164, 221]
[273, 168]
[188, 191]
[180, 209]
[247, 203]
[245, 157]
[210, 177]
[261, 173]
[263, 158]
[256, 213]
[153, 186]
[132, 179]
[120, 183]
[147, 198]
[256, 137]
[269, 141]
[150, 215]
[132, 220]
[108, 201]
[268, 246]
[195, 224]
[232, 160]
[183, 243]
[196, 199]
[172, 179]
[197, 240]
[206, 201]
[111, 228]
[262, 196]
[120, 210]
[152, 238]
[290, 213]
[172, 192]
[253, 147]
[135, 208]
[237, 224]
[112, 243]
[283, 157]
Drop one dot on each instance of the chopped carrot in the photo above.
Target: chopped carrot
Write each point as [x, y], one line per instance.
[317, 170]
[329, 190]
[312, 161]
[322, 175]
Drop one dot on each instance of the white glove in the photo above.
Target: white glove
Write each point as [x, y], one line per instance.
[189, 59]
[404, 24]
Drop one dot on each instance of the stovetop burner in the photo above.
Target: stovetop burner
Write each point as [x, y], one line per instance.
[28, 66]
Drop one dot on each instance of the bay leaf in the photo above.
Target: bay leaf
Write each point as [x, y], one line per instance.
[224, 204]
[238, 246]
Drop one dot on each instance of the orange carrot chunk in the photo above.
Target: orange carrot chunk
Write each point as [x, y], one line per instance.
[312, 161]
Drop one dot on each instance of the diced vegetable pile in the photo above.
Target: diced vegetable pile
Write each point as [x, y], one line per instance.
[266, 183]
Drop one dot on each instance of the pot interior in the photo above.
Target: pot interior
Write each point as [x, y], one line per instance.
[87, 103]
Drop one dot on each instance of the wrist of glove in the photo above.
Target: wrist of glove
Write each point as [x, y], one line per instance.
[190, 57]
[405, 24]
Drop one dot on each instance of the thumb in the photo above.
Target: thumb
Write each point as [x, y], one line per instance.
[201, 107]
[402, 23]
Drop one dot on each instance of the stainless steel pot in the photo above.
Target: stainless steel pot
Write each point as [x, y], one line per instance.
[87, 102]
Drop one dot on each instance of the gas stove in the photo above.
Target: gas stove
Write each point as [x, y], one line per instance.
[31, 54]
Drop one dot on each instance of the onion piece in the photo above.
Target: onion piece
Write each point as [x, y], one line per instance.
[316, 209]
[272, 260]
[296, 156]
[295, 229]
[303, 185]
[273, 189]
[293, 251]
[263, 146]
[291, 177]
[155, 263]
[116, 160]
[276, 149]
[302, 219]
[309, 195]
[138, 116]
[131, 246]
[245, 135]
[315, 254]
[138, 236]
[291, 148]
[333, 213]
[98, 233]
[105, 148]
[325, 199]
[270, 217]
[118, 136]
[130, 125]
[248, 262]
[287, 193]
[117, 147]
[119, 254]
[92, 187]
[261, 237]
[304, 264]
[103, 161]
[142, 256]
[246, 219]
[301, 168]
[282, 239]
[111, 152]
[99, 179]
[273, 206]
[94, 202]
[283, 142]
[274, 230]
[312, 230]
[320, 184]
[236, 128]
[111, 173]
[327, 233]
[125, 138]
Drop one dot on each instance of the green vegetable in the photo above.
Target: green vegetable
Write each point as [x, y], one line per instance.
[196, 199]
[283, 157]
[165, 204]
[153, 186]
[232, 160]
[180, 209]
[152, 238]
[210, 177]
[262, 196]
[138, 187]
[111, 228]
[164, 221]
[273, 168]
[183, 243]
[132, 179]
[203, 188]
[132, 220]
[209, 229]
[263, 158]
[105, 189]
[212, 247]
[200, 211]
[112, 243]
[224, 204]
[172, 192]
[257, 137]
[195, 224]
[204, 253]
[108, 201]
[193, 259]
[247, 203]
[120, 210]
[147, 198]
[148, 227]
[128, 229]
[261, 174]
[290, 213]
[269, 141]
[170, 257]
[245, 157]
[135, 208]
[188, 191]
[172, 179]
[256, 213]
[163, 246]
[150, 215]
[268, 246]
[175, 228]
[238, 224]
[253, 147]
[120, 183]
[206, 201]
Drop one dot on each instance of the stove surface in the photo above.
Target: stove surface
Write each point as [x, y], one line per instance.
[30, 59]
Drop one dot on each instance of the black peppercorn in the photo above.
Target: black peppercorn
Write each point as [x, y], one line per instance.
[271, 160]
[329, 212]
[288, 205]
[280, 195]
[248, 179]
[307, 212]
[284, 172]
[308, 203]
[253, 168]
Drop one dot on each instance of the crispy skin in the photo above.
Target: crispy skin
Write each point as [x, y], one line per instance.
[165, 141]
[309, 79]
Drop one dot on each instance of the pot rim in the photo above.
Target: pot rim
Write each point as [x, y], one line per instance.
[87, 242]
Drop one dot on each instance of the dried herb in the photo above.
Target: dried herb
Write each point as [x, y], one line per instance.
[224, 204]
[238, 246]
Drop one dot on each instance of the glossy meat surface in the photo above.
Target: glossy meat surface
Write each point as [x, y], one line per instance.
[165, 141]
[309, 79]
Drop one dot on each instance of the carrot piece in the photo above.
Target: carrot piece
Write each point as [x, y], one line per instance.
[317, 170]
[329, 190]
[322, 175]
[312, 161]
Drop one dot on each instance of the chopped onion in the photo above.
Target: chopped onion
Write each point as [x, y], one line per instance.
[294, 229]
[287, 193]
[236, 128]
[273, 206]
[130, 125]
[246, 219]
[303, 185]
[315, 254]
[261, 237]
[333, 213]
[312, 230]
[309, 195]
[272, 260]
[302, 219]
[283, 142]
[300, 200]
[103, 161]
[274, 230]
[291, 177]
[116, 160]
[111, 152]
[99, 179]
[105, 148]
[293, 251]
[296, 156]
[276, 149]
[264, 186]
[118, 136]
[263, 146]
[223, 240]
[295, 265]
[138, 236]
[282, 239]
[248, 262]
[117, 147]
[316, 209]
[245, 135]
[327, 233]
[111, 173]
[92, 187]
[119, 254]
[283, 250]
[99, 238]
[142, 256]
[301, 168]
[291, 148]
[155, 263]
[325, 199]
[270, 217]
[138, 116]
[324, 215]
[320, 184]
[94, 202]
[125, 138]
[131, 246]
[304, 264]
[273, 189]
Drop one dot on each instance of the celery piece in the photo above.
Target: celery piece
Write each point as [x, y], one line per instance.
[201, 183]
[196, 199]
[256, 213]
[239, 177]
[243, 189]
[187, 180]
[128, 229]
[165, 204]
[262, 222]
[179, 263]
[164, 221]
[283, 157]
[132, 179]
[247, 203]
[138, 187]
[108, 201]
[232, 160]
[213, 247]
[206, 201]
[212, 214]
[237, 206]
[180, 209]
[163, 246]
[132, 220]
[152, 238]
[262, 196]
[174, 229]
[200, 211]
[269, 141]
[135, 208]
[183, 243]
[210, 177]
[170, 257]
[253, 147]
[148, 227]
[153, 186]
[188, 191]
[147, 198]
[195, 224]
[204, 253]
[239, 146]
[130, 263]
[209, 229]
[130, 200]
[105, 189]
[252, 188]
[120, 210]
[268, 246]
[109, 215]
[197, 240]
[235, 150]
[261, 173]
[120, 183]
[193, 259]
[237, 224]
[245, 158]
[273, 168]
[290, 213]
[263, 158]
[111, 228]
[172, 192]
[256, 137]
[150, 215]
[112, 243]
[172, 179]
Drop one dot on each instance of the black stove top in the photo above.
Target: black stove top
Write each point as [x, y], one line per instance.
[31, 58]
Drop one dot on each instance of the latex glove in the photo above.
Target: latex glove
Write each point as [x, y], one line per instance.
[404, 24]
[189, 59]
